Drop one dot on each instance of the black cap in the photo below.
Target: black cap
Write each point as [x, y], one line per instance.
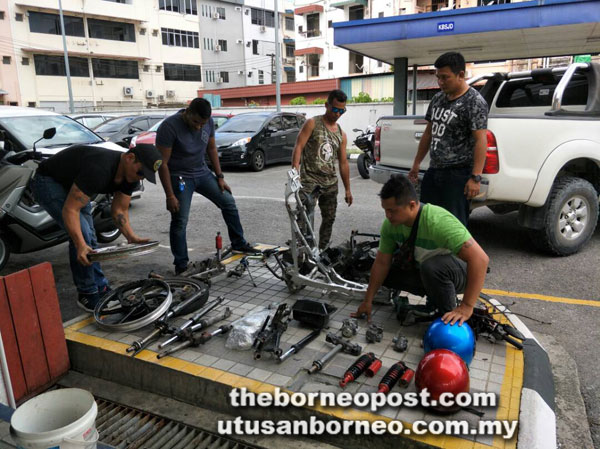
[150, 158]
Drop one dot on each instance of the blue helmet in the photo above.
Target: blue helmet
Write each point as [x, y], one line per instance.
[458, 339]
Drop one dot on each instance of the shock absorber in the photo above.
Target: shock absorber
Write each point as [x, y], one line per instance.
[357, 368]
[398, 372]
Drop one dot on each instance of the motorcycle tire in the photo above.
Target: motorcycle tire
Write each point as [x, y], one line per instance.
[363, 163]
[108, 236]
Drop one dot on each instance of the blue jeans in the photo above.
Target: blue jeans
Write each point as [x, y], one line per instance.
[52, 196]
[207, 186]
[445, 187]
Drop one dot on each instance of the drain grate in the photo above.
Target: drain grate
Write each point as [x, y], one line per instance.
[127, 428]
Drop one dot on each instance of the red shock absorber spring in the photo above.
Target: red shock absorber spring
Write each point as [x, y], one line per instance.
[357, 368]
[391, 377]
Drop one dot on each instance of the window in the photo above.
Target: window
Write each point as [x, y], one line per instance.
[356, 12]
[263, 17]
[261, 77]
[289, 23]
[111, 68]
[224, 76]
[47, 65]
[158, 68]
[330, 65]
[330, 24]
[19, 17]
[300, 29]
[182, 6]
[40, 22]
[313, 25]
[380, 14]
[289, 51]
[291, 77]
[180, 38]
[301, 69]
[221, 12]
[142, 31]
[25, 61]
[115, 31]
[529, 93]
[275, 123]
[5, 59]
[223, 44]
[254, 47]
[1, 15]
[117, 1]
[182, 72]
[379, 64]
[289, 122]
[31, 104]
[208, 43]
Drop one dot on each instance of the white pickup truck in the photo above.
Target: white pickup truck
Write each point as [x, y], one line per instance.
[543, 155]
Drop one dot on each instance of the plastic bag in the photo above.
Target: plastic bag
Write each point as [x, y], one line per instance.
[244, 330]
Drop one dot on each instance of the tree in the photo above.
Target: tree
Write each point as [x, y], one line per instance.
[319, 101]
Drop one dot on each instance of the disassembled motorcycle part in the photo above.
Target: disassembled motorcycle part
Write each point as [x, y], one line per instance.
[349, 327]
[121, 251]
[139, 303]
[374, 333]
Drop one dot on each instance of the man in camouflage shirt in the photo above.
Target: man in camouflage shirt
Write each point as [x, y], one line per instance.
[455, 138]
[320, 143]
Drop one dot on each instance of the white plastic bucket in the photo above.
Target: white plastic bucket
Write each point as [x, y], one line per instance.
[58, 419]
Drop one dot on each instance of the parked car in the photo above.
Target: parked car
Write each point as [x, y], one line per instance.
[20, 127]
[150, 135]
[255, 139]
[91, 120]
[121, 129]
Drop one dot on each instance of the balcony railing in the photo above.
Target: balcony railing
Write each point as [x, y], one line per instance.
[313, 70]
[313, 33]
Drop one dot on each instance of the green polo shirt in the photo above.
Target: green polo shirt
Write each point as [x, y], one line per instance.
[439, 233]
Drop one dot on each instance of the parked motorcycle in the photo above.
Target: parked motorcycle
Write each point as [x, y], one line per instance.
[366, 142]
[24, 225]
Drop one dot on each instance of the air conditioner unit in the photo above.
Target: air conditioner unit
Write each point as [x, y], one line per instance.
[239, 41]
[217, 48]
[240, 72]
[150, 94]
[161, 98]
[155, 32]
[238, 8]
[216, 15]
[263, 28]
[128, 91]
[246, 11]
[219, 80]
[170, 93]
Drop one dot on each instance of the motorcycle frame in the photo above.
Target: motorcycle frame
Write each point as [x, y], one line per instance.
[320, 276]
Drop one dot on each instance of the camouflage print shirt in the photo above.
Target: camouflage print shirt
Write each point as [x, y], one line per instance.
[452, 126]
[320, 154]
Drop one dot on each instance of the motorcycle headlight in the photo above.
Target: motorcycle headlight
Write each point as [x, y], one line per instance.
[242, 142]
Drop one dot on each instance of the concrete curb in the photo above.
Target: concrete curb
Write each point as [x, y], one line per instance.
[537, 417]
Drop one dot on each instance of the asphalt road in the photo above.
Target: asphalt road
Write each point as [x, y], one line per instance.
[516, 266]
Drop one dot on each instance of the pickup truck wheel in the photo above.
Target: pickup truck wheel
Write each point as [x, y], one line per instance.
[362, 164]
[571, 217]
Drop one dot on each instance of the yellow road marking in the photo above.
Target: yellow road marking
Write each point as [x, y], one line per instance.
[579, 302]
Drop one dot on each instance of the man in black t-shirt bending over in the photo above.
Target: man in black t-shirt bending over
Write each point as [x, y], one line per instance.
[64, 184]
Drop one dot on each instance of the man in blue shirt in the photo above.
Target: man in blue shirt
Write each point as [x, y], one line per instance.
[184, 139]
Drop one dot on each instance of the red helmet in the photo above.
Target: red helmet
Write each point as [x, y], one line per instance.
[441, 371]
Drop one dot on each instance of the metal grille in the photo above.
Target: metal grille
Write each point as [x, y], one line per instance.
[127, 428]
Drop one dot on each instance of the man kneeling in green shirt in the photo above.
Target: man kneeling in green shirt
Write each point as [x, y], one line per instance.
[447, 259]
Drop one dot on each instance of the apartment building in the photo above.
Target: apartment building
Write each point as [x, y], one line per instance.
[127, 54]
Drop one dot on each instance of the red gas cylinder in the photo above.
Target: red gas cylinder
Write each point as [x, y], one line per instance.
[441, 371]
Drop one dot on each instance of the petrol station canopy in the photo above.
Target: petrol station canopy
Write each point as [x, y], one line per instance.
[508, 31]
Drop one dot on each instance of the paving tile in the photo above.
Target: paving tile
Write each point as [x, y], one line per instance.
[240, 369]
[278, 380]
[478, 374]
[205, 360]
[223, 364]
[259, 374]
